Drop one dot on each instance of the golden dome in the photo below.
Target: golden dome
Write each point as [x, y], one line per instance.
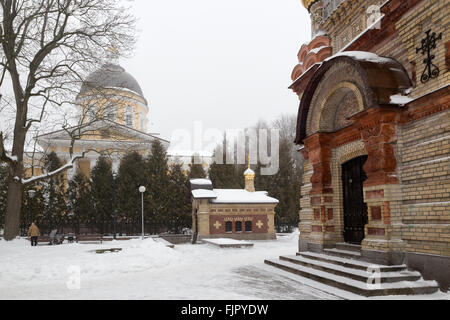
[249, 173]
[308, 3]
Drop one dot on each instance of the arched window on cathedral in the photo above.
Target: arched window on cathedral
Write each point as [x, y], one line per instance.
[129, 116]
[111, 112]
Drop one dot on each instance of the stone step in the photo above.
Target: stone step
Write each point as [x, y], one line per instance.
[349, 263]
[343, 253]
[355, 274]
[354, 286]
[348, 247]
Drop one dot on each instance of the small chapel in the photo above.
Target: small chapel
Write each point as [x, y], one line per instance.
[241, 214]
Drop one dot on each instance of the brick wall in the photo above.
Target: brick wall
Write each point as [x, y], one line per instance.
[401, 32]
[306, 215]
[423, 150]
[428, 14]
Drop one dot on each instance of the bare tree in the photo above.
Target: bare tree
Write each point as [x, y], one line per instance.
[47, 49]
[287, 126]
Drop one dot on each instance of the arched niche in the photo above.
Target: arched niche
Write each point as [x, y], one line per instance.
[333, 108]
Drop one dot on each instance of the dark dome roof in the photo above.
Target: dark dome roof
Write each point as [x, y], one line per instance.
[111, 76]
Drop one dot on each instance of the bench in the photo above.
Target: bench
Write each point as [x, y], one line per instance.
[51, 239]
[89, 237]
[113, 250]
[46, 239]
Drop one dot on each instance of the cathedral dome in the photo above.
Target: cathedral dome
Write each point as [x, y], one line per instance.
[111, 76]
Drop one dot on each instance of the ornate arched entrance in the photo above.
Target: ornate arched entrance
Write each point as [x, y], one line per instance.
[345, 113]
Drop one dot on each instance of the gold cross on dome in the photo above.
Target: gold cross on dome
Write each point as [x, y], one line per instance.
[217, 225]
[260, 224]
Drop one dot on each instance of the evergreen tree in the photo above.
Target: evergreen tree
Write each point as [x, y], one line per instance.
[226, 176]
[284, 186]
[32, 208]
[131, 177]
[196, 168]
[180, 206]
[102, 188]
[54, 209]
[157, 183]
[79, 202]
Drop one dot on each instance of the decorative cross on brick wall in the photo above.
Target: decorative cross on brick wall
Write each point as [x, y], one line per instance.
[217, 225]
[260, 224]
[429, 43]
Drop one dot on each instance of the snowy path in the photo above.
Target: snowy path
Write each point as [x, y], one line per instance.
[149, 270]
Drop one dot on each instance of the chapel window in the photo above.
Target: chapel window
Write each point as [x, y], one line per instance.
[238, 226]
[248, 226]
[228, 227]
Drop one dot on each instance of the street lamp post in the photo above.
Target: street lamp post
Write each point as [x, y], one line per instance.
[142, 190]
[115, 204]
[31, 194]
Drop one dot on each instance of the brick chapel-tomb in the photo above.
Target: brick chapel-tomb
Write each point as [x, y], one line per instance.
[374, 130]
[241, 214]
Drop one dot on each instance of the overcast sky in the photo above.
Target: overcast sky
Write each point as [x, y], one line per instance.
[226, 63]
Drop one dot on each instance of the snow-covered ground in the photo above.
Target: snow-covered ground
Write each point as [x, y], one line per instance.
[150, 270]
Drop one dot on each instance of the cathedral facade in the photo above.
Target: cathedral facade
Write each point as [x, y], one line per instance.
[374, 129]
[112, 120]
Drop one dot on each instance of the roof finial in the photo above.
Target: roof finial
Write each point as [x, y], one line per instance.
[249, 160]
[113, 54]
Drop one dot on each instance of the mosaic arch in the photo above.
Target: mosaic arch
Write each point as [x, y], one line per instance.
[346, 80]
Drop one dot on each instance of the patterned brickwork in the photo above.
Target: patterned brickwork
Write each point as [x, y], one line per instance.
[424, 148]
[350, 20]
[341, 155]
[306, 213]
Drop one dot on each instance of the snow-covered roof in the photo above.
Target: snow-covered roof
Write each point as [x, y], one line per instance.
[204, 194]
[98, 125]
[111, 76]
[361, 56]
[242, 196]
[201, 182]
[234, 196]
[401, 99]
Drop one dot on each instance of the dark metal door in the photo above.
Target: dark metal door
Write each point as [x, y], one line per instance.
[355, 210]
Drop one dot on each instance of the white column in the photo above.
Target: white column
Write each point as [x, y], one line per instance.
[93, 161]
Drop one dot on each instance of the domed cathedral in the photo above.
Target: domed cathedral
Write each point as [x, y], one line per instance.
[113, 94]
[374, 129]
[112, 118]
